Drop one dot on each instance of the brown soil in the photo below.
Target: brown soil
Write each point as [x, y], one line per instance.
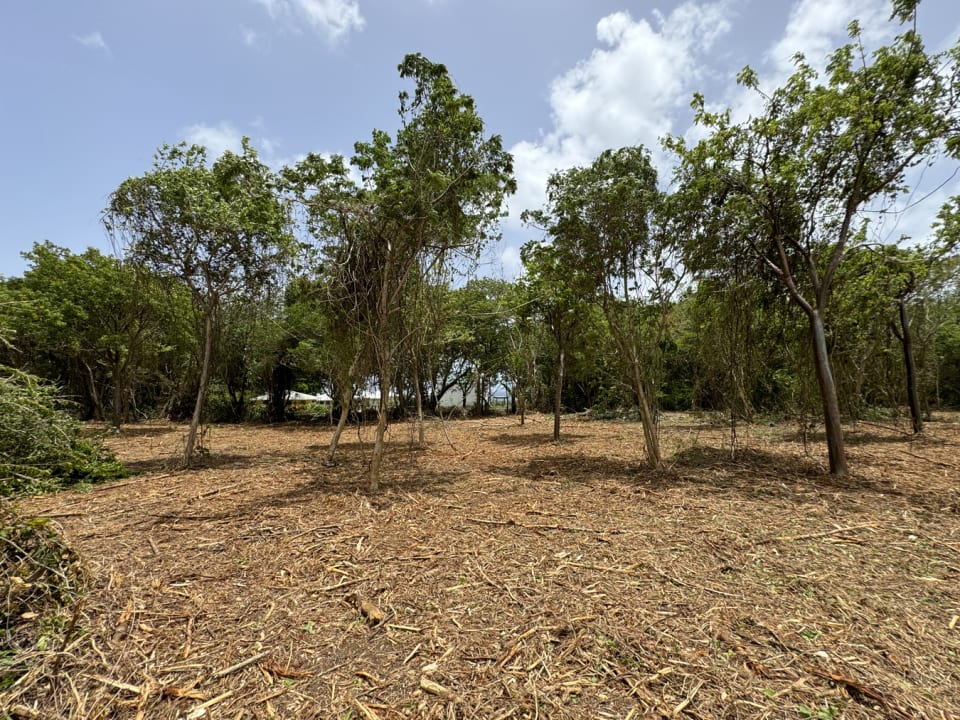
[500, 575]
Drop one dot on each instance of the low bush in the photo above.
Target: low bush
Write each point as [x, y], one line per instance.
[42, 447]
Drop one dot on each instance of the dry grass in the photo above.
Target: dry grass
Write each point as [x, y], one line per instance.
[499, 575]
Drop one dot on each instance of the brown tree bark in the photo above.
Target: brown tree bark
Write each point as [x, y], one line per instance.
[558, 395]
[204, 386]
[906, 342]
[378, 445]
[828, 394]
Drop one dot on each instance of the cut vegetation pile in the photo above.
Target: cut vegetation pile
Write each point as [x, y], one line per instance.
[500, 575]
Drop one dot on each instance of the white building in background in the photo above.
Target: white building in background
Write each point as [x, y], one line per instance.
[453, 398]
[298, 397]
[497, 396]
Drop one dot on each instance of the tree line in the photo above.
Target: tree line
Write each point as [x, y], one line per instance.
[751, 281]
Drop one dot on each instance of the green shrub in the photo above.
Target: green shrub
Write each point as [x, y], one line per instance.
[42, 447]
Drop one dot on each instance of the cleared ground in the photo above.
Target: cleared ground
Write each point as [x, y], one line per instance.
[500, 575]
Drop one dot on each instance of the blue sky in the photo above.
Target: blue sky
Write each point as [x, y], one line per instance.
[89, 90]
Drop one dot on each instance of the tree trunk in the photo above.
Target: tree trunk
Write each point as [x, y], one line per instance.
[346, 399]
[418, 392]
[828, 394]
[202, 390]
[119, 405]
[346, 396]
[378, 446]
[558, 396]
[92, 391]
[906, 341]
[647, 420]
[478, 408]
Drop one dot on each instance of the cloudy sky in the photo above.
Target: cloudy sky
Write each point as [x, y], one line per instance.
[89, 90]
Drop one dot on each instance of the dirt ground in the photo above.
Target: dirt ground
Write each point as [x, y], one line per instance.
[500, 575]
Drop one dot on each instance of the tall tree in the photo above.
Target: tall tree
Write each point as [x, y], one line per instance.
[610, 219]
[429, 196]
[791, 185]
[550, 282]
[87, 321]
[219, 228]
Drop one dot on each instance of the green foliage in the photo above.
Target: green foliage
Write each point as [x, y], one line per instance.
[429, 196]
[219, 229]
[86, 321]
[41, 446]
[827, 711]
[789, 189]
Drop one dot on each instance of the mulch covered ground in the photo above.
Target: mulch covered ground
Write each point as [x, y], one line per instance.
[500, 575]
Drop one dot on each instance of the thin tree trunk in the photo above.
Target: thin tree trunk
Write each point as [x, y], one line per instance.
[913, 396]
[479, 405]
[629, 350]
[118, 396]
[95, 400]
[421, 439]
[828, 394]
[646, 418]
[378, 445]
[558, 395]
[202, 390]
[346, 396]
[346, 399]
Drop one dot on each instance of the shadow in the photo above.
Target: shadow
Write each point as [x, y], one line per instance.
[754, 475]
[304, 479]
[758, 474]
[144, 431]
[572, 468]
[347, 480]
[872, 438]
[149, 467]
[533, 439]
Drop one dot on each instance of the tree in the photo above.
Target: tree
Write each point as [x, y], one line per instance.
[791, 186]
[87, 321]
[550, 283]
[220, 229]
[431, 195]
[481, 311]
[610, 220]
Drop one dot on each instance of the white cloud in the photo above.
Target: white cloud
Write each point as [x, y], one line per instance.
[816, 27]
[510, 264]
[629, 92]
[333, 18]
[226, 136]
[92, 40]
[216, 138]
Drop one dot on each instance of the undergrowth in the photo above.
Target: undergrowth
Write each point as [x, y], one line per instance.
[42, 447]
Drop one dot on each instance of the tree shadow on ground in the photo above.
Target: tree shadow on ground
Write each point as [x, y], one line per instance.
[756, 474]
[872, 438]
[310, 485]
[532, 439]
[144, 430]
[571, 468]
[851, 437]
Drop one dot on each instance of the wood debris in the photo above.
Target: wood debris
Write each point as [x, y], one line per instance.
[501, 575]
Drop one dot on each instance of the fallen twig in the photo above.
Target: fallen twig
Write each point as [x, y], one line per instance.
[240, 665]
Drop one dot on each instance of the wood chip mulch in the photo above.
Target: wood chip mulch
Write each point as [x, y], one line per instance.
[499, 575]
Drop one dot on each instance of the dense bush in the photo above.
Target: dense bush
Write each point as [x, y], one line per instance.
[42, 447]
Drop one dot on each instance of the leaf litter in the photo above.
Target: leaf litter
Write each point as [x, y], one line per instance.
[501, 575]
